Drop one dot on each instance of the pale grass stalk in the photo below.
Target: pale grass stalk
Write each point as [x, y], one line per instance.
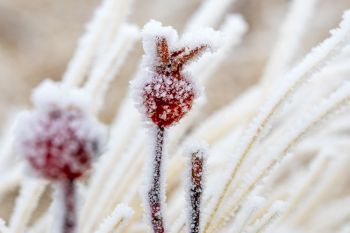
[233, 29]
[245, 214]
[345, 228]
[123, 129]
[320, 191]
[299, 13]
[138, 228]
[7, 139]
[269, 218]
[224, 120]
[26, 203]
[131, 195]
[317, 59]
[208, 14]
[114, 222]
[331, 216]
[108, 67]
[328, 107]
[176, 200]
[11, 181]
[112, 30]
[223, 148]
[40, 225]
[3, 227]
[116, 175]
[130, 177]
[86, 50]
[179, 225]
[318, 166]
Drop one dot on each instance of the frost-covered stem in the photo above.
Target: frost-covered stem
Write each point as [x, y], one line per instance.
[156, 189]
[68, 199]
[196, 188]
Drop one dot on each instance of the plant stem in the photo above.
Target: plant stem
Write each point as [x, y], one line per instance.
[196, 190]
[156, 190]
[69, 215]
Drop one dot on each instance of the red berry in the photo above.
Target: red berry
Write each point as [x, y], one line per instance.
[169, 94]
[59, 146]
[167, 100]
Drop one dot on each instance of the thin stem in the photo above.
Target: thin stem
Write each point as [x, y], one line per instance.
[69, 215]
[156, 189]
[196, 190]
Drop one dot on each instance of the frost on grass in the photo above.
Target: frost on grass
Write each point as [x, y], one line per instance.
[113, 222]
[59, 138]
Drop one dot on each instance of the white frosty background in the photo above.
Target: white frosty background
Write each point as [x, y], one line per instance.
[37, 39]
[309, 191]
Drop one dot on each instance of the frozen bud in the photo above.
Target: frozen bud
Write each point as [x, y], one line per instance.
[59, 139]
[166, 92]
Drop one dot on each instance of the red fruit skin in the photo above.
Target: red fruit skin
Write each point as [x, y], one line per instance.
[167, 99]
[59, 153]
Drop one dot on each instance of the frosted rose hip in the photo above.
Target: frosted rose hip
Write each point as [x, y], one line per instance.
[59, 138]
[56, 151]
[169, 94]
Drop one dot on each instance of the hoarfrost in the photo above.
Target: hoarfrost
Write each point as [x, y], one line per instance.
[119, 216]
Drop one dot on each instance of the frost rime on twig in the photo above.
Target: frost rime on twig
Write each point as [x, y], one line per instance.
[154, 194]
[69, 208]
[197, 168]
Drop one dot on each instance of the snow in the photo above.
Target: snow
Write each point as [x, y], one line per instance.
[206, 36]
[197, 147]
[51, 94]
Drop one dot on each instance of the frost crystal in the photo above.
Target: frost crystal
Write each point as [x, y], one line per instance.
[59, 138]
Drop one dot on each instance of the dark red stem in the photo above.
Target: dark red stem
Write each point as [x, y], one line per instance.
[156, 189]
[69, 221]
[196, 191]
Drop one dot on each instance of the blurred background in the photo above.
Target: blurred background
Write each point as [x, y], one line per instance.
[38, 37]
